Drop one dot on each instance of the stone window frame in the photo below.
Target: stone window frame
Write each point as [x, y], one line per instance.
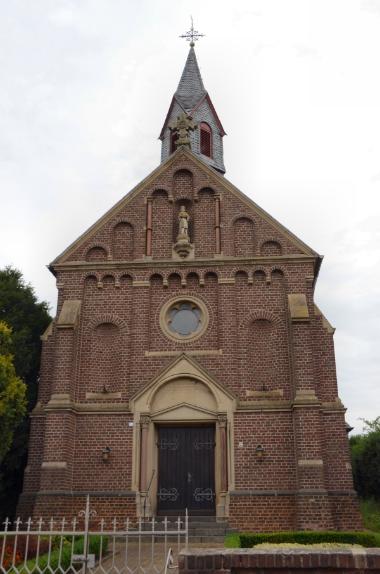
[205, 318]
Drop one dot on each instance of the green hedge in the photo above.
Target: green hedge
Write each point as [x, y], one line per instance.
[366, 539]
[44, 565]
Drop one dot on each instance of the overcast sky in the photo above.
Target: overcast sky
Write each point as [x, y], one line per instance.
[84, 90]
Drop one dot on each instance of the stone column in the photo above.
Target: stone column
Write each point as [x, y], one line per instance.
[222, 424]
[149, 215]
[218, 242]
[144, 507]
[223, 467]
[144, 431]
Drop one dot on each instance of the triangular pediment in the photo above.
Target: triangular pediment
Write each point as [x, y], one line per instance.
[182, 368]
[186, 159]
[183, 411]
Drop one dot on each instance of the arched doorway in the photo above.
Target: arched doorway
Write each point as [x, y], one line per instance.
[183, 443]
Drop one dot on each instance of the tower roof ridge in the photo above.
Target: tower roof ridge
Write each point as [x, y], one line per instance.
[190, 89]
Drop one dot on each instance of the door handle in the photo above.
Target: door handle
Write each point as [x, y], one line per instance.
[189, 478]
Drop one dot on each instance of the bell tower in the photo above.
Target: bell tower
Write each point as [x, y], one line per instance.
[192, 99]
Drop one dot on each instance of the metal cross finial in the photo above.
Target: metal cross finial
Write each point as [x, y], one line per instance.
[192, 35]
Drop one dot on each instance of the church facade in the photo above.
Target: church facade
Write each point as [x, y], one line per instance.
[188, 365]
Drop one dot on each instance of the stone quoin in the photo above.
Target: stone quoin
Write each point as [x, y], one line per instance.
[188, 365]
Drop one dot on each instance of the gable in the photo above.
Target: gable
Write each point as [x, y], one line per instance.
[246, 229]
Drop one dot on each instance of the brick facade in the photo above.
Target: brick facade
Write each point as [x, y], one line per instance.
[262, 370]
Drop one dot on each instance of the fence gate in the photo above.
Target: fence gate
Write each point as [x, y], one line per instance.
[60, 547]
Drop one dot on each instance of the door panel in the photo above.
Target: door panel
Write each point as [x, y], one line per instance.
[186, 466]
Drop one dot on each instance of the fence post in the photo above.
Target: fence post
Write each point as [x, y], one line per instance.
[86, 529]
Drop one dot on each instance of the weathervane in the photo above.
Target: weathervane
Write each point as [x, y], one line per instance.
[192, 35]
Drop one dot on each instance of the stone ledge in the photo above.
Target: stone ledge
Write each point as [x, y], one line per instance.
[103, 396]
[191, 353]
[276, 393]
[76, 493]
[54, 465]
[310, 462]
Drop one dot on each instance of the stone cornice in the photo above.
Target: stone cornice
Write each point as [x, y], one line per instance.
[171, 263]
[61, 403]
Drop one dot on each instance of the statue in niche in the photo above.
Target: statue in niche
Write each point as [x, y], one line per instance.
[183, 247]
[183, 217]
[182, 127]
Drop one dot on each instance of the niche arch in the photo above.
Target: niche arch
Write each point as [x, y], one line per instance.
[243, 236]
[123, 241]
[97, 252]
[271, 247]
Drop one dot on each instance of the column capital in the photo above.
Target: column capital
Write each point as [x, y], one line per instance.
[222, 420]
[145, 420]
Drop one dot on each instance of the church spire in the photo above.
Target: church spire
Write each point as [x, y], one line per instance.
[190, 88]
[191, 98]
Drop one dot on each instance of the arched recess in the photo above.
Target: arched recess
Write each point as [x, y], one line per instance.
[192, 280]
[174, 280]
[90, 279]
[104, 354]
[96, 253]
[183, 394]
[108, 281]
[267, 350]
[277, 277]
[259, 276]
[211, 279]
[162, 210]
[205, 223]
[241, 277]
[243, 233]
[183, 184]
[271, 247]
[156, 280]
[123, 241]
[262, 352]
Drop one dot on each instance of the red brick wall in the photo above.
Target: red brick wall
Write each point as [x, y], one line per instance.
[301, 561]
[261, 351]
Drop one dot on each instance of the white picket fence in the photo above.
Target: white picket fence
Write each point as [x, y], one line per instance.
[60, 547]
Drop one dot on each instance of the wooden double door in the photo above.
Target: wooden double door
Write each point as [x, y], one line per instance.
[186, 470]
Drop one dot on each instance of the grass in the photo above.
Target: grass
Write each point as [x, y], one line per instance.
[370, 510]
[232, 541]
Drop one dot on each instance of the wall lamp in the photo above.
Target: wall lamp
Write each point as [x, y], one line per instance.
[260, 452]
[106, 453]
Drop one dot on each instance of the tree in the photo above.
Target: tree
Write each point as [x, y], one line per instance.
[365, 454]
[28, 319]
[12, 393]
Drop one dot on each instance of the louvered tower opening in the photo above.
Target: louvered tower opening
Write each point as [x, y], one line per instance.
[206, 139]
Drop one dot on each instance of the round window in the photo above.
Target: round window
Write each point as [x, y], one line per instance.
[184, 319]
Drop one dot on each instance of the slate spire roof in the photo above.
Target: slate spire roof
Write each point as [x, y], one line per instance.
[190, 88]
[190, 92]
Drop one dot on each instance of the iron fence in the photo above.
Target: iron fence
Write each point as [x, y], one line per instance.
[101, 547]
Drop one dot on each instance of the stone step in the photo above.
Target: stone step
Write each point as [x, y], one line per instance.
[210, 539]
